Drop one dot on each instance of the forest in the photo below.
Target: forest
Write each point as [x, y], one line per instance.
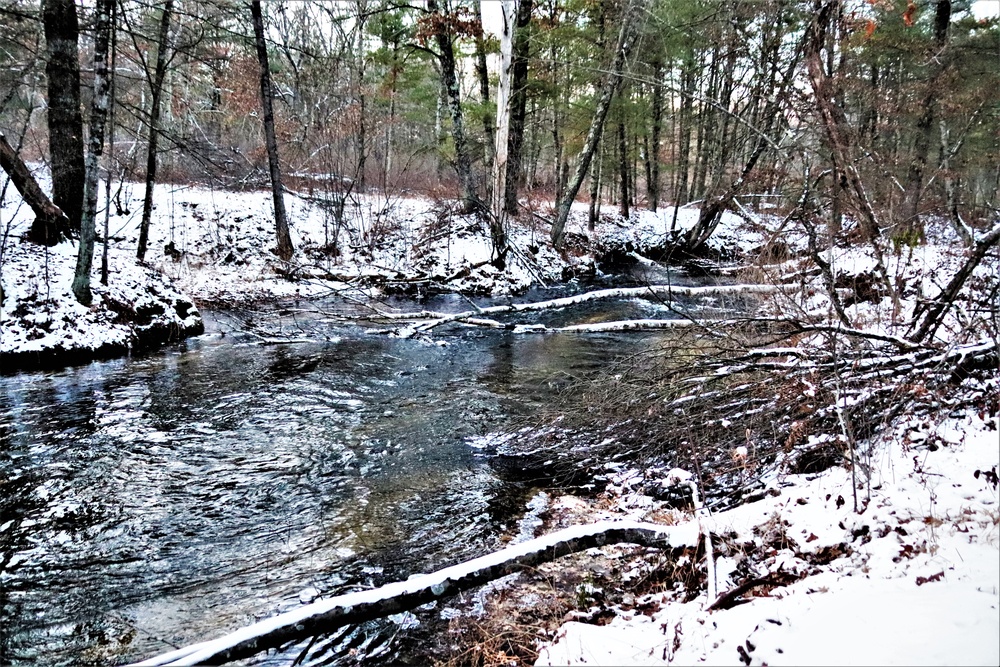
[481, 332]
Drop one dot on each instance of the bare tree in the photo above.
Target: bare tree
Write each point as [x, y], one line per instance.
[626, 39]
[105, 10]
[442, 32]
[156, 90]
[285, 249]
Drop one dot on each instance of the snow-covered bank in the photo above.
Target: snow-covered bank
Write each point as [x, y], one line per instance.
[43, 326]
[213, 247]
[913, 578]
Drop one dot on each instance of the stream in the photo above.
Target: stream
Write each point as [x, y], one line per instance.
[154, 501]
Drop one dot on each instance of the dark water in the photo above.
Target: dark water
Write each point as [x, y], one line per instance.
[152, 502]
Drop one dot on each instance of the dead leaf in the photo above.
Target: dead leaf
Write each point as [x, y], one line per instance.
[926, 580]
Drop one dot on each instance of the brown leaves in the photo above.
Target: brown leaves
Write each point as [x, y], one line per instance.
[460, 23]
[926, 580]
[911, 10]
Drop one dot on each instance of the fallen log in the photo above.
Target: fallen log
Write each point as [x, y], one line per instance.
[326, 615]
[658, 291]
[51, 225]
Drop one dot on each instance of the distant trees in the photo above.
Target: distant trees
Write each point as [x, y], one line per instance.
[626, 40]
[701, 103]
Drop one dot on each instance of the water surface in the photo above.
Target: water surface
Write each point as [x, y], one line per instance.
[151, 502]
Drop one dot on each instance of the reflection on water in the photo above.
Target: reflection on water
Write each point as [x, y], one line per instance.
[152, 502]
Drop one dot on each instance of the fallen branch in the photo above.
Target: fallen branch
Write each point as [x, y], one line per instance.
[934, 316]
[326, 615]
[900, 343]
[731, 598]
[636, 325]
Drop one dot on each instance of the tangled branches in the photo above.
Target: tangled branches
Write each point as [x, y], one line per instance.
[740, 414]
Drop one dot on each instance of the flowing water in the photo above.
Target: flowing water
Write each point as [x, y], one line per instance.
[151, 502]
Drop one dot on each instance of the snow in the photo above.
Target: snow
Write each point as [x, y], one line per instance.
[648, 230]
[40, 314]
[918, 582]
[912, 578]
[438, 583]
[213, 247]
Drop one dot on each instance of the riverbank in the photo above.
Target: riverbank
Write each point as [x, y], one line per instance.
[833, 409]
[855, 522]
[213, 248]
[801, 578]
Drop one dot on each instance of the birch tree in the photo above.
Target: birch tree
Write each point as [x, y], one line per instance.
[508, 9]
[518, 104]
[100, 103]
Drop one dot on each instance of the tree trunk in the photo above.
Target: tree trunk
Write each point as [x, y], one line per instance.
[931, 314]
[706, 132]
[557, 99]
[483, 74]
[653, 150]
[391, 123]
[519, 103]
[684, 158]
[95, 148]
[832, 117]
[446, 56]
[501, 134]
[50, 223]
[947, 153]
[557, 143]
[595, 190]
[156, 91]
[499, 190]
[65, 121]
[439, 135]
[111, 151]
[626, 39]
[360, 165]
[623, 177]
[910, 228]
[326, 615]
[284, 249]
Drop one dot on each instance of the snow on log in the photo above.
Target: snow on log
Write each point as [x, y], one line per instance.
[637, 325]
[659, 291]
[326, 615]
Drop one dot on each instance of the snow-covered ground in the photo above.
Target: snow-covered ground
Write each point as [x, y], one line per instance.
[214, 247]
[912, 579]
